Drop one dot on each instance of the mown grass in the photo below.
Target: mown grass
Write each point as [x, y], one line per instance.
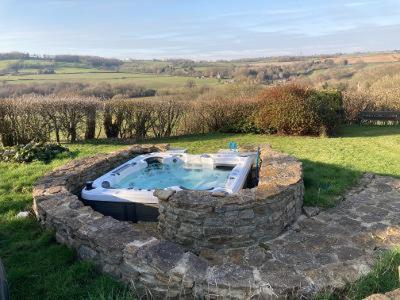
[39, 268]
[330, 164]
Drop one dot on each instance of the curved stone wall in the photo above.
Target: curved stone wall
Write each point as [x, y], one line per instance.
[152, 266]
[201, 220]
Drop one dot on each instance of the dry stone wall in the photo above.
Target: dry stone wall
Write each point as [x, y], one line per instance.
[155, 267]
[200, 221]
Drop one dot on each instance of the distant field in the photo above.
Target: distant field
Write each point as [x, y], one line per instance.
[78, 74]
[158, 74]
[5, 63]
[370, 58]
[72, 70]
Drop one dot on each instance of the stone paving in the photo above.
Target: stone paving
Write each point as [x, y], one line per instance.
[337, 245]
[393, 295]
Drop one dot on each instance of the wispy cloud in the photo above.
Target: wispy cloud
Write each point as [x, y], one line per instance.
[358, 3]
[198, 30]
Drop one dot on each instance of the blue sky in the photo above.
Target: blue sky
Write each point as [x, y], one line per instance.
[218, 29]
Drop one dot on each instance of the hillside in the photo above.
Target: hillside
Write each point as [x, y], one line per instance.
[341, 71]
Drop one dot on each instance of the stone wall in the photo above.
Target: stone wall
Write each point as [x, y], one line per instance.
[203, 221]
[155, 268]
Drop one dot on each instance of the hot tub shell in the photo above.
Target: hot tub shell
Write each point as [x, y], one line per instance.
[136, 204]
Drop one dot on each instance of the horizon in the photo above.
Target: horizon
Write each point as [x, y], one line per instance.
[328, 55]
[227, 30]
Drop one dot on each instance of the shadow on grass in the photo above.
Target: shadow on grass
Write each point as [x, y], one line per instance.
[181, 138]
[351, 131]
[325, 183]
[345, 131]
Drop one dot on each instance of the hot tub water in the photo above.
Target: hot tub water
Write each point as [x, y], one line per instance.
[161, 176]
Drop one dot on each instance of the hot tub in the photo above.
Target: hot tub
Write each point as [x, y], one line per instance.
[127, 191]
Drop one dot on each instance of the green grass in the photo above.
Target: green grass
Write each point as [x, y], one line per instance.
[93, 76]
[383, 278]
[78, 72]
[330, 164]
[39, 268]
[73, 70]
[5, 63]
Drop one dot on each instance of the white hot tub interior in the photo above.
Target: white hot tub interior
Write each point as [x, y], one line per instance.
[136, 180]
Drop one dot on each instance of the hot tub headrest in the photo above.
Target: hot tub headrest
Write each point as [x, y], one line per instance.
[154, 160]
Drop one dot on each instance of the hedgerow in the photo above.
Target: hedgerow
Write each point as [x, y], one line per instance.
[289, 109]
[298, 110]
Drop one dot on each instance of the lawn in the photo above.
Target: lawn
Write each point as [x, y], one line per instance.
[39, 268]
[330, 164]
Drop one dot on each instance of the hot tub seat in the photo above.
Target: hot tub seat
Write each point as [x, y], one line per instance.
[125, 201]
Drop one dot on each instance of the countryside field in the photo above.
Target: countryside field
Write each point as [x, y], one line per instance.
[79, 75]
[159, 74]
[47, 270]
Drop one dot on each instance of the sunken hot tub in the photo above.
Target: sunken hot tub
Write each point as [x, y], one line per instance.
[207, 244]
[126, 192]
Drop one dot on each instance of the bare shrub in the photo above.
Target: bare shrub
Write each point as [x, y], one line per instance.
[138, 120]
[355, 102]
[376, 90]
[113, 117]
[33, 117]
[71, 114]
[100, 90]
[229, 110]
[22, 120]
[168, 113]
[210, 109]
[386, 92]
[91, 118]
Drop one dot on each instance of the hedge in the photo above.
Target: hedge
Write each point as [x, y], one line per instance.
[298, 110]
[289, 109]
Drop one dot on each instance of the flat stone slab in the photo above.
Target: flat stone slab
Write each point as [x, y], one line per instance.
[393, 295]
[338, 244]
[311, 211]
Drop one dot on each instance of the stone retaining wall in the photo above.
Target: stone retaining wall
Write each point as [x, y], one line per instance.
[201, 221]
[155, 268]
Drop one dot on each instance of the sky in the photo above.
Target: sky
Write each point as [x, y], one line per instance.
[198, 29]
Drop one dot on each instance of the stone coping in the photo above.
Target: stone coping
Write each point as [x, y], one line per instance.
[153, 266]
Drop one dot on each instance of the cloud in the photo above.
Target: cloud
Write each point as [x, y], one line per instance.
[200, 31]
[359, 3]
